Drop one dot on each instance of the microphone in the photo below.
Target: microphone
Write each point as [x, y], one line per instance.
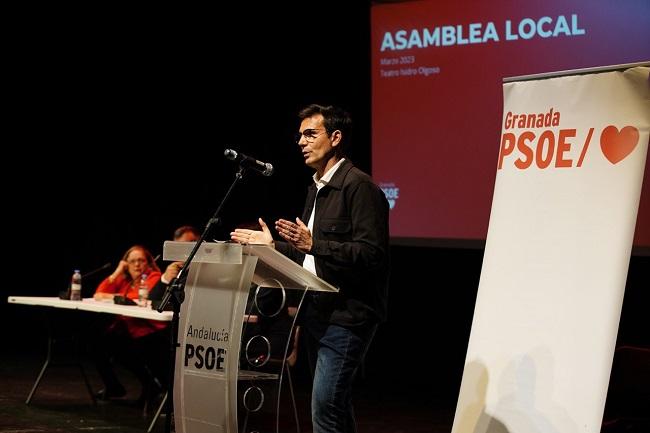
[245, 161]
[94, 271]
[66, 294]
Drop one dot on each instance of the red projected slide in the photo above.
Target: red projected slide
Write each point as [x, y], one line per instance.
[437, 71]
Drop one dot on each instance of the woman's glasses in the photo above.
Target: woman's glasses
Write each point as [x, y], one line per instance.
[134, 261]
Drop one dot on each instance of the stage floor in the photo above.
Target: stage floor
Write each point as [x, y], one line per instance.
[62, 404]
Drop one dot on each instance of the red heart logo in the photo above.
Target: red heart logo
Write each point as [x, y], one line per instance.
[616, 145]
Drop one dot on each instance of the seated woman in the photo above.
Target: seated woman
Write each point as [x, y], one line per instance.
[139, 344]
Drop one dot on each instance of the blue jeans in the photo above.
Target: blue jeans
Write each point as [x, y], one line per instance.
[340, 353]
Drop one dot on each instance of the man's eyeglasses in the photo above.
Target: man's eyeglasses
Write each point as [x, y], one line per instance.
[309, 134]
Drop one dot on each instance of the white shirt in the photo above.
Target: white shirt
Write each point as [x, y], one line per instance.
[309, 263]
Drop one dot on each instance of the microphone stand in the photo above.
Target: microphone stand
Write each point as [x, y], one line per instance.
[94, 271]
[66, 294]
[175, 293]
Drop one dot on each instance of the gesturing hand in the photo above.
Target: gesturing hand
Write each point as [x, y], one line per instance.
[172, 271]
[247, 236]
[297, 234]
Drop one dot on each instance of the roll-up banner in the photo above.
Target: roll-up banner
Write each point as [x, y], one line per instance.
[572, 155]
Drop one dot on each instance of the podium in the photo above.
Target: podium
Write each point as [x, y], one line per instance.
[217, 385]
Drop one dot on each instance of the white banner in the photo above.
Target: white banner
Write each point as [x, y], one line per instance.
[569, 175]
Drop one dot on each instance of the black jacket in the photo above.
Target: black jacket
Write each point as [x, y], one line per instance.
[350, 247]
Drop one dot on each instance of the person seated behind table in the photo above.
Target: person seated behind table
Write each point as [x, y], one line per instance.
[137, 343]
[181, 234]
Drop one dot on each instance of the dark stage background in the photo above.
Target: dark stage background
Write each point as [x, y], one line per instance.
[121, 119]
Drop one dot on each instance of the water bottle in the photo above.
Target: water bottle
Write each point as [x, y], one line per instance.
[143, 291]
[75, 286]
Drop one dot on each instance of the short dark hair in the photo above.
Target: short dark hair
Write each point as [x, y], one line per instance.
[185, 229]
[334, 118]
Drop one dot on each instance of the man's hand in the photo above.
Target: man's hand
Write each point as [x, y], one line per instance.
[246, 236]
[297, 234]
[171, 272]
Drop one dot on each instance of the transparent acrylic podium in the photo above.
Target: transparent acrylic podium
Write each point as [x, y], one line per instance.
[221, 383]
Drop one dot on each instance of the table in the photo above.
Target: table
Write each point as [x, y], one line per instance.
[89, 304]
